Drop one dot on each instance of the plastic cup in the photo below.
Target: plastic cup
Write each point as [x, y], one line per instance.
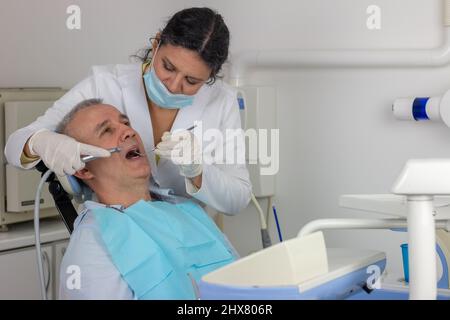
[405, 261]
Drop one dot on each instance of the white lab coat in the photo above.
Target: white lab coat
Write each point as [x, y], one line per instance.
[225, 187]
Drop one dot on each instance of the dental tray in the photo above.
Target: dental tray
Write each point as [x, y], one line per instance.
[299, 268]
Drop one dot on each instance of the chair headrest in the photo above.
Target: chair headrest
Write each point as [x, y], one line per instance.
[80, 191]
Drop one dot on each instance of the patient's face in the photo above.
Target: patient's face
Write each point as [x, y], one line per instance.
[104, 126]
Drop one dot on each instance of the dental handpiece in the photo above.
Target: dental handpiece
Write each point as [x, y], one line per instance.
[90, 158]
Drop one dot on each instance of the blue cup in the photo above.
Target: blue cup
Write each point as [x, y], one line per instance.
[405, 261]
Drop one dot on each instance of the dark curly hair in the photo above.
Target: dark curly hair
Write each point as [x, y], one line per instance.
[201, 30]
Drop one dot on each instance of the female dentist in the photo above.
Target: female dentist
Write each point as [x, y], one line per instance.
[169, 91]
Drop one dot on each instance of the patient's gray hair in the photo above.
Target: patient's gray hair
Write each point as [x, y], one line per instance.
[62, 126]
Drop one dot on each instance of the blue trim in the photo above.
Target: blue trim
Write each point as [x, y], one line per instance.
[389, 294]
[76, 187]
[241, 103]
[277, 223]
[443, 282]
[419, 109]
[405, 260]
[399, 229]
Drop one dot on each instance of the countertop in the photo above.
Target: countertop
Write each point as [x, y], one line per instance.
[21, 235]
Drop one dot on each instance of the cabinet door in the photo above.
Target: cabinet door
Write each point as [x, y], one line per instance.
[60, 249]
[19, 275]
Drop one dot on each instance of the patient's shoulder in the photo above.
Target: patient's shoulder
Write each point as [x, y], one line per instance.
[100, 279]
[85, 239]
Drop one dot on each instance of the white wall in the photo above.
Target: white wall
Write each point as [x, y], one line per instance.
[37, 49]
[336, 129]
[337, 132]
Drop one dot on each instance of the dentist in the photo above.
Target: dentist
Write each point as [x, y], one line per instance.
[173, 87]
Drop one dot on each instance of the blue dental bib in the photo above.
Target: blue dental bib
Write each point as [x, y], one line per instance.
[160, 248]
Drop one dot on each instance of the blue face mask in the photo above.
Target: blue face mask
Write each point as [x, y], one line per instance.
[159, 94]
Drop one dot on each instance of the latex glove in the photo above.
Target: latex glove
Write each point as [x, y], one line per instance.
[61, 153]
[183, 149]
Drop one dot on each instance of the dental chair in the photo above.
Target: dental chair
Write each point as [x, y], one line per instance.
[312, 272]
[304, 268]
[62, 198]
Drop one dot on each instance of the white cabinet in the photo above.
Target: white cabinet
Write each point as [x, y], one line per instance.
[59, 250]
[19, 276]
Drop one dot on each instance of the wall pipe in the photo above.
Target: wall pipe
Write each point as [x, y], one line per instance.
[343, 58]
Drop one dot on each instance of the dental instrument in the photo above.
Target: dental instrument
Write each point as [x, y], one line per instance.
[90, 158]
[265, 236]
[188, 129]
[37, 234]
[192, 127]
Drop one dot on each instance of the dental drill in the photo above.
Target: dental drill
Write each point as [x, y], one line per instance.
[90, 158]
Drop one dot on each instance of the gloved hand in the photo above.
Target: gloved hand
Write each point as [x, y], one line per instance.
[61, 153]
[183, 149]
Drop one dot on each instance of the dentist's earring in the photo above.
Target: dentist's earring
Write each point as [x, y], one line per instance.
[155, 41]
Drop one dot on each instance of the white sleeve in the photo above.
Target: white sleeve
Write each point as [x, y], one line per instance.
[99, 278]
[52, 117]
[225, 187]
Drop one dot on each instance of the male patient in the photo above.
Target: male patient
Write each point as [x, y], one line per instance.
[127, 245]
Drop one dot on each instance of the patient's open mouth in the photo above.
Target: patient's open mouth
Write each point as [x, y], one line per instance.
[133, 153]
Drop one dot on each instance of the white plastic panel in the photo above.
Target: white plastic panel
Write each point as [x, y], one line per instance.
[424, 177]
[257, 105]
[21, 190]
[391, 204]
[21, 184]
[287, 263]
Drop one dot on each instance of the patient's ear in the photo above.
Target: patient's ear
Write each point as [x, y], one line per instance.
[84, 174]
